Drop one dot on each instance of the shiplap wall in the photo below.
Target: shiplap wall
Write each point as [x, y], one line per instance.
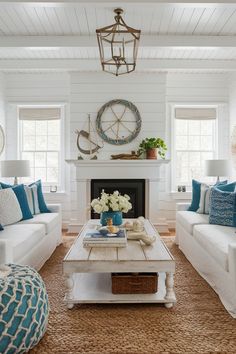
[51, 88]
[232, 111]
[2, 100]
[89, 91]
[195, 89]
[2, 107]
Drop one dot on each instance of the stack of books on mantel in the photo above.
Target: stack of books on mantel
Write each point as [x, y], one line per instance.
[94, 238]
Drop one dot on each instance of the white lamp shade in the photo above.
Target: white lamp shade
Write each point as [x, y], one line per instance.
[216, 168]
[15, 168]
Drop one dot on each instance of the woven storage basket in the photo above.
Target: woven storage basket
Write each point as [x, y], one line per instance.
[134, 283]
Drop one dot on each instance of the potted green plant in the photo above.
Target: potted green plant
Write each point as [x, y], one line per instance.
[153, 147]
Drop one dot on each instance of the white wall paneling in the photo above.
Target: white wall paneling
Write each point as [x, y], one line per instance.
[2, 108]
[26, 89]
[86, 92]
[195, 89]
[89, 91]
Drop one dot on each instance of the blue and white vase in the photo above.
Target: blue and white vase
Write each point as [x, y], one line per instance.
[116, 217]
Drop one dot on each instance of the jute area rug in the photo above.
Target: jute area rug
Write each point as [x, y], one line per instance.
[197, 324]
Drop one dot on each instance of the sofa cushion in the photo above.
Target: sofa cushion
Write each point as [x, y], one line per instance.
[50, 220]
[22, 238]
[215, 239]
[189, 218]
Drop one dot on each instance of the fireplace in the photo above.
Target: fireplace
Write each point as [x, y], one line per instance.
[135, 188]
[110, 171]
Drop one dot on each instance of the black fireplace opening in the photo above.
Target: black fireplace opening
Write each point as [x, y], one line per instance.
[134, 188]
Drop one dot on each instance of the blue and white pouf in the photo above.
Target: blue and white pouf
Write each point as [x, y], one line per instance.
[24, 308]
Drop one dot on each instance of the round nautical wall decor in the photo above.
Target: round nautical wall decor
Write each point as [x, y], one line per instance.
[118, 122]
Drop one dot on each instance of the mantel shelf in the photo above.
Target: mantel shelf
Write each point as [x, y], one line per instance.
[133, 163]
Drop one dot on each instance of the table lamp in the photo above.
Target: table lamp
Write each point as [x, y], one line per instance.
[217, 168]
[15, 168]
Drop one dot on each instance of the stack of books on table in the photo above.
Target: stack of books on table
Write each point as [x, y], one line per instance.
[94, 238]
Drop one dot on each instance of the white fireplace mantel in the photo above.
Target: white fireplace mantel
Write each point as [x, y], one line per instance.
[116, 169]
[108, 169]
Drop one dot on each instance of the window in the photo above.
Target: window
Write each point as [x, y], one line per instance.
[40, 142]
[194, 141]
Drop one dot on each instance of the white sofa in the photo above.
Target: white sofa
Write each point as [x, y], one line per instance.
[31, 242]
[211, 249]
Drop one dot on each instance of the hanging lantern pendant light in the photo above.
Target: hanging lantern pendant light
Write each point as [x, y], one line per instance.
[118, 46]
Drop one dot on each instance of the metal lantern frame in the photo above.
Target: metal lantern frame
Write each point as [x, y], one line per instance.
[107, 37]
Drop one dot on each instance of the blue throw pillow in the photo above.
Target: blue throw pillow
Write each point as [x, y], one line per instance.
[196, 194]
[230, 187]
[223, 207]
[42, 205]
[22, 199]
[1, 228]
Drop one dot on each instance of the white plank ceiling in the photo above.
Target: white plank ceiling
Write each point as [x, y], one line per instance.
[70, 19]
[24, 19]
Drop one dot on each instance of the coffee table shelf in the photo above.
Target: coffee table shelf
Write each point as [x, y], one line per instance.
[96, 288]
[88, 270]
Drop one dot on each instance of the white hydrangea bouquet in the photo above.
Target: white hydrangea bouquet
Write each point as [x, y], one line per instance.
[111, 206]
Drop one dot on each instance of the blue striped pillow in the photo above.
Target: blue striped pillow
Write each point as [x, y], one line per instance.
[32, 197]
[42, 205]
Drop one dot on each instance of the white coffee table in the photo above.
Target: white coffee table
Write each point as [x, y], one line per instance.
[88, 270]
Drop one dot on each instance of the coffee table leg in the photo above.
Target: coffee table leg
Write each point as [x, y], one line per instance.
[170, 293]
[69, 282]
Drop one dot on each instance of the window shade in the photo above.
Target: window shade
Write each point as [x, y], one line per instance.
[39, 113]
[195, 113]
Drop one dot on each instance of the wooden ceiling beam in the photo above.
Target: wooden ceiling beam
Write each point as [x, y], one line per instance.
[94, 64]
[173, 41]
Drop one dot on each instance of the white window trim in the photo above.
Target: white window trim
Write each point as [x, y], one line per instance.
[61, 183]
[218, 134]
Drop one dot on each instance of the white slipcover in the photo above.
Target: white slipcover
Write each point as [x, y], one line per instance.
[190, 218]
[22, 238]
[215, 239]
[49, 220]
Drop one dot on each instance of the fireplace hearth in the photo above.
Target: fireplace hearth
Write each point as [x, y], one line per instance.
[135, 188]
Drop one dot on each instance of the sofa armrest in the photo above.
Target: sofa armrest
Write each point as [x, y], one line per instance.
[6, 253]
[54, 208]
[232, 261]
[182, 206]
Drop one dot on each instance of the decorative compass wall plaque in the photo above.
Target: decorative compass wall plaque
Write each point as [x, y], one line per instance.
[118, 122]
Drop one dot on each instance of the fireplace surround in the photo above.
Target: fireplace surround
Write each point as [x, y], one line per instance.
[87, 170]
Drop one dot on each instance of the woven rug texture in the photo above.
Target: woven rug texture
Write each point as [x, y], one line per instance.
[197, 324]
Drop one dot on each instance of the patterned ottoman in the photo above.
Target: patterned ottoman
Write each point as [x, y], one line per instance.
[24, 308]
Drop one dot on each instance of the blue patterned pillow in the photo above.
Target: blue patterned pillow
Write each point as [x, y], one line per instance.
[223, 208]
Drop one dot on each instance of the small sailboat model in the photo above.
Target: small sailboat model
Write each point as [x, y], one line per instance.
[85, 138]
